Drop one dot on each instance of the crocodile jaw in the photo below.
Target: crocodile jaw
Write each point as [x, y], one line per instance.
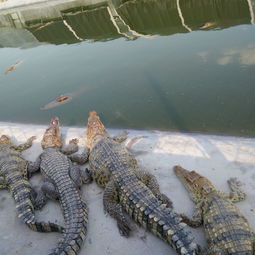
[52, 136]
[197, 185]
[95, 129]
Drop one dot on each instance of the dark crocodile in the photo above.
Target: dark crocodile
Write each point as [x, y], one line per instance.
[13, 175]
[227, 231]
[133, 192]
[62, 180]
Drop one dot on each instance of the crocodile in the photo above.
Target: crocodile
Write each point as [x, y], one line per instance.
[133, 193]
[226, 229]
[62, 181]
[13, 176]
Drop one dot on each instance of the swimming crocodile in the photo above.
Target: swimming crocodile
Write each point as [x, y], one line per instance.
[13, 175]
[133, 192]
[62, 180]
[226, 229]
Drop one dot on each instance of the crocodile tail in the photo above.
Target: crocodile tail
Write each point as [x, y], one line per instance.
[71, 242]
[21, 192]
[178, 235]
[75, 230]
[45, 227]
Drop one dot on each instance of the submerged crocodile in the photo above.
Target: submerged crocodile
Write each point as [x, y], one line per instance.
[62, 180]
[13, 175]
[226, 229]
[133, 192]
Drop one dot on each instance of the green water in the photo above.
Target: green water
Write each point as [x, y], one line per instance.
[157, 70]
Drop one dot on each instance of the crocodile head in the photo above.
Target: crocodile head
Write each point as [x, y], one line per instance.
[4, 139]
[197, 185]
[95, 129]
[52, 135]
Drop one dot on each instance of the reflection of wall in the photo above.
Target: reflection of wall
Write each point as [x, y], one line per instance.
[224, 12]
[152, 17]
[79, 20]
[12, 37]
[96, 24]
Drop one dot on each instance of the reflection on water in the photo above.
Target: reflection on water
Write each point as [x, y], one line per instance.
[76, 21]
[160, 64]
[245, 56]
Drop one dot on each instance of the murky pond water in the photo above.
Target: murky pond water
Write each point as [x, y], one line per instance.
[158, 64]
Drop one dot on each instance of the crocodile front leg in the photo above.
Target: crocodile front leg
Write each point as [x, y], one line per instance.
[80, 159]
[114, 208]
[71, 148]
[33, 167]
[79, 175]
[25, 145]
[196, 220]
[236, 193]
[120, 137]
[151, 182]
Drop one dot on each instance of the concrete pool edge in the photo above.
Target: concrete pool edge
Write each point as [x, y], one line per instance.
[217, 157]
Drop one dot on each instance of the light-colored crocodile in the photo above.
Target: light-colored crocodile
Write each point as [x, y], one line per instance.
[227, 231]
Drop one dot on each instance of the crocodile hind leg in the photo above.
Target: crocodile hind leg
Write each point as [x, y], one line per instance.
[151, 182]
[236, 193]
[38, 199]
[46, 191]
[79, 175]
[114, 208]
[196, 220]
[3, 184]
[25, 145]
[213, 250]
[71, 148]
[49, 189]
[100, 177]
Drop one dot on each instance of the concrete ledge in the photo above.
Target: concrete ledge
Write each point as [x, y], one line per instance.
[216, 157]
[13, 4]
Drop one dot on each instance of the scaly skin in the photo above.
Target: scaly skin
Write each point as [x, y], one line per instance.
[130, 190]
[13, 173]
[62, 181]
[227, 231]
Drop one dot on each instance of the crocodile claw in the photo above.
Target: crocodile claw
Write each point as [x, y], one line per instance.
[165, 200]
[124, 229]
